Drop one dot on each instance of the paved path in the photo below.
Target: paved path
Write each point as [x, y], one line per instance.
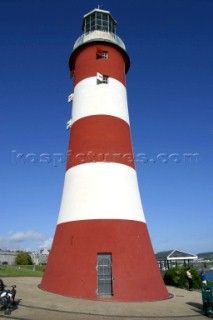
[36, 304]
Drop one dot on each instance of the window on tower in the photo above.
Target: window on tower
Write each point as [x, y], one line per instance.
[102, 78]
[102, 54]
[105, 79]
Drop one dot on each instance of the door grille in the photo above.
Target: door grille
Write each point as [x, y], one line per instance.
[104, 269]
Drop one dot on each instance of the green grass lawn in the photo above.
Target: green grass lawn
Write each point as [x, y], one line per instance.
[21, 271]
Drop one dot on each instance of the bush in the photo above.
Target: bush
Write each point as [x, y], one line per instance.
[23, 258]
[177, 277]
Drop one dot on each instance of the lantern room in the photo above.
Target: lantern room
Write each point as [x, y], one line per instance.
[99, 20]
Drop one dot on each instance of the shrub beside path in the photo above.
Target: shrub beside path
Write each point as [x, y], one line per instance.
[35, 304]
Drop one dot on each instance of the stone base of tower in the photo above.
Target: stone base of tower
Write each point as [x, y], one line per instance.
[72, 264]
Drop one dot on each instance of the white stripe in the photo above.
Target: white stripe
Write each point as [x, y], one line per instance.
[93, 99]
[101, 191]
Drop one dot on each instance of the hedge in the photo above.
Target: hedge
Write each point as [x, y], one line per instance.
[177, 277]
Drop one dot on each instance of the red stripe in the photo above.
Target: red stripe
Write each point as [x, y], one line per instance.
[86, 64]
[100, 138]
[71, 268]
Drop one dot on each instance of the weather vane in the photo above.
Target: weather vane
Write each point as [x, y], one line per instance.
[99, 6]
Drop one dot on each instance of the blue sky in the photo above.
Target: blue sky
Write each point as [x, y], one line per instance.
[170, 97]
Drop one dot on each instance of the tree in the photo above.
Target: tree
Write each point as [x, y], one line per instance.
[23, 258]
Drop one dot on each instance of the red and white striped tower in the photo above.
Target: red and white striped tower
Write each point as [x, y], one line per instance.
[101, 247]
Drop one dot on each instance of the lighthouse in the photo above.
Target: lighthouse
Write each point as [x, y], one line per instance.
[101, 248]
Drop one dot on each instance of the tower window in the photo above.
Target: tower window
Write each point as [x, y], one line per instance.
[105, 79]
[102, 54]
[101, 78]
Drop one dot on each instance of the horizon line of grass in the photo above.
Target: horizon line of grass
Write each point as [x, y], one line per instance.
[21, 271]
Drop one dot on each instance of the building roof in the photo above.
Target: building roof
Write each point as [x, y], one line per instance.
[174, 255]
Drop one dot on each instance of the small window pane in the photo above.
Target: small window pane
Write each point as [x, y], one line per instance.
[99, 15]
[105, 79]
[104, 54]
